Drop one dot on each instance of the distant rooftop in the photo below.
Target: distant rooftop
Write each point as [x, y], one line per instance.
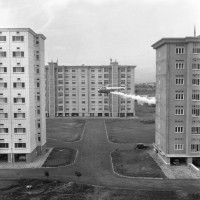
[175, 40]
[23, 29]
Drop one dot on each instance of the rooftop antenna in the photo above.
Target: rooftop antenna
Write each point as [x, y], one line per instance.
[194, 31]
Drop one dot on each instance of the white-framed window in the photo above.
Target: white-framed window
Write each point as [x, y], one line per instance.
[178, 147]
[196, 50]
[196, 95]
[179, 96]
[195, 130]
[180, 50]
[179, 129]
[195, 147]
[179, 81]
[179, 65]
[179, 111]
[196, 66]
[195, 81]
[19, 100]
[195, 110]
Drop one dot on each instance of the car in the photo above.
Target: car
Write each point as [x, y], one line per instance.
[141, 146]
[176, 162]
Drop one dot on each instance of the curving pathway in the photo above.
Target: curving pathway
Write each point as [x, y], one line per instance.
[94, 163]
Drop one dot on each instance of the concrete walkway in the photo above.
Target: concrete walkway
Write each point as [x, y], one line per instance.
[37, 163]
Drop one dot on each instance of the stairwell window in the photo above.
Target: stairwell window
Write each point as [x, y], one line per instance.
[180, 50]
[195, 130]
[2, 54]
[195, 147]
[179, 129]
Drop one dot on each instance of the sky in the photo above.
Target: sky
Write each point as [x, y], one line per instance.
[91, 32]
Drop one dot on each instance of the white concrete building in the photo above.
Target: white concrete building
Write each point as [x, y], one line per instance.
[73, 90]
[22, 96]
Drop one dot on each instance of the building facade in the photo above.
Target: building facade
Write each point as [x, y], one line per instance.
[73, 90]
[178, 99]
[22, 96]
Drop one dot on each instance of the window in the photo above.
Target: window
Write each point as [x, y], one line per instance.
[4, 145]
[18, 54]
[73, 88]
[195, 81]
[3, 115]
[36, 42]
[92, 82]
[99, 76]
[106, 82]
[105, 75]
[82, 88]
[178, 147]
[82, 82]
[38, 84]
[122, 69]
[3, 100]
[196, 66]
[100, 102]
[180, 50]
[196, 50]
[20, 145]
[3, 85]
[82, 70]
[73, 83]
[99, 70]
[3, 130]
[195, 130]
[123, 82]
[179, 81]
[179, 111]
[83, 109]
[17, 38]
[18, 85]
[60, 75]
[83, 95]
[19, 100]
[73, 70]
[74, 102]
[2, 38]
[83, 102]
[179, 65]
[179, 129]
[92, 101]
[19, 130]
[37, 57]
[195, 110]
[19, 115]
[92, 70]
[122, 75]
[3, 69]
[74, 95]
[196, 95]
[106, 69]
[2, 54]
[38, 125]
[179, 96]
[73, 76]
[18, 69]
[195, 147]
[92, 95]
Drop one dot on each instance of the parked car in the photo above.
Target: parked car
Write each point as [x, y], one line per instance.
[176, 162]
[141, 146]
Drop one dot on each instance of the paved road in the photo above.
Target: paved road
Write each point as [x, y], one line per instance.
[94, 163]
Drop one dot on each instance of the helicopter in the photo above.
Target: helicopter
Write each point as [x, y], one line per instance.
[108, 89]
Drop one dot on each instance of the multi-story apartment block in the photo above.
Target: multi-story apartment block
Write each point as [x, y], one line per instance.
[22, 96]
[178, 99]
[73, 90]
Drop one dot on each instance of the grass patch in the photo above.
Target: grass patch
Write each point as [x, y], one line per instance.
[145, 111]
[136, 163]
[66, 130]
[60, 157]
[130, 131]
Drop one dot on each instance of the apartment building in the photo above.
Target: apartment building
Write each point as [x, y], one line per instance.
[73, 90]
[22, 96]
[178, 99]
